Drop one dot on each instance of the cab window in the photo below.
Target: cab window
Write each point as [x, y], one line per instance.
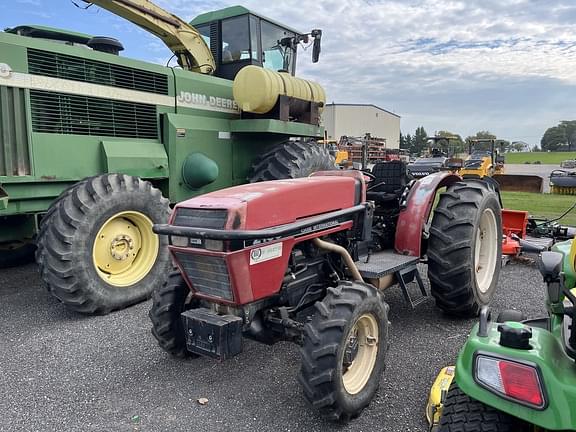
[273, 53]
[235, 39]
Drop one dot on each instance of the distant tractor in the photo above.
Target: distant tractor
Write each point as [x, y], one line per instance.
[438, 158]
[484, 159]
[308, 260]
[94, 147]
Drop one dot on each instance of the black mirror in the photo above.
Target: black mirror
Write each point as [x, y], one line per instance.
[317, 35]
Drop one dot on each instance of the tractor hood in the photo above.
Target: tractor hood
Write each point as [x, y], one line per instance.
[269, 204]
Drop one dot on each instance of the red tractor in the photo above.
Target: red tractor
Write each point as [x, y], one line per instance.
[307, 260]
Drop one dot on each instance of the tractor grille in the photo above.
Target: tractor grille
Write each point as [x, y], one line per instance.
[79, 69]
[208, 274]
[66, 114]
[201, 218]
[14, 153]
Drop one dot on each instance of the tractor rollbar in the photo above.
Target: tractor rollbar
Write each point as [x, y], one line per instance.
[280, 231]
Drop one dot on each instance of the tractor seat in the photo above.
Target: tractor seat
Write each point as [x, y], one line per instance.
[390, 180]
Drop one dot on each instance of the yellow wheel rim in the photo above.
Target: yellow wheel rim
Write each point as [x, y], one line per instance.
[125, 249]
[360, 354]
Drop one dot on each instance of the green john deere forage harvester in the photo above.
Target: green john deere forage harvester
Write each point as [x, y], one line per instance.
[94, 146]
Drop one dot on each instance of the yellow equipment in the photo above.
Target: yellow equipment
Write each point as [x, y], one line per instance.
[257, 90]
[482, 163]
[437, 396]
[180, 37]
[340, 156]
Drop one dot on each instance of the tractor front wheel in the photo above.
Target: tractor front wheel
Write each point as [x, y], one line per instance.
[465, 247]
[96, 249]
[168, 303]
[462, 413]
[344, 350]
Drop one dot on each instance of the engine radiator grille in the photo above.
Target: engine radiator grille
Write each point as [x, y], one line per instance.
[208, 274]
[79, 69]
[14, 152]
[201, 218]
[66, 114]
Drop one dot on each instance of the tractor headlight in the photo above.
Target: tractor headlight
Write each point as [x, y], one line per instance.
[519, 382]
[214, 245]
[179, 241]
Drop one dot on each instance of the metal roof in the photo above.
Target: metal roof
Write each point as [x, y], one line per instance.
[363, 105]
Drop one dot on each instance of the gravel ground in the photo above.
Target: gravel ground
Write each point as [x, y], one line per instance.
[64, 372]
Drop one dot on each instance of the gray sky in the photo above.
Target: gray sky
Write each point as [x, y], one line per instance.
[505, 66]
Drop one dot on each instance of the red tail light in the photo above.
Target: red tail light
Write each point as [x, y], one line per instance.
[516, 381]
[521, 382]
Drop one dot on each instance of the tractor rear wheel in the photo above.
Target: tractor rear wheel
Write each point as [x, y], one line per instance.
[291, 159]
[96, 249]
[461, 413]
[344, 350]
[465, 248]
[168, 303]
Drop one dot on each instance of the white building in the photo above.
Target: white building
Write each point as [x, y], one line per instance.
[358, 119]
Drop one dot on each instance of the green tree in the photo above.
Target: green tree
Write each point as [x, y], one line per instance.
[408, 143]
[419, 142]
[553, 139]
[569, 127]
[560, 137]
[455, 143]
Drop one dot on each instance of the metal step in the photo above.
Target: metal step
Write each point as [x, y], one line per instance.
[403, 267]
[381, 264]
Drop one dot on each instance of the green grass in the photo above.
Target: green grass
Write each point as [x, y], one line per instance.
[552, 158]
[545, 205]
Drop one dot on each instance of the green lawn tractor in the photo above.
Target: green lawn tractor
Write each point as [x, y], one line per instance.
[95, 146]
[516, 374]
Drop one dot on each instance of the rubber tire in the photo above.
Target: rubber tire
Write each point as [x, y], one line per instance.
[324, 345]
[461, 413]
[168, 303]
[452, 243]
[66, 239]
[291, 159]
[24, 254]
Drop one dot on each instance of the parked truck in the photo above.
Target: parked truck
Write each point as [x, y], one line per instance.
[94, 146]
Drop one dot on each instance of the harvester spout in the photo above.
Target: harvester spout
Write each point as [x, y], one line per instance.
[183, 40]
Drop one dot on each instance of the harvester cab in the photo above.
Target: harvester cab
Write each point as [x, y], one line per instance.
[239, 38]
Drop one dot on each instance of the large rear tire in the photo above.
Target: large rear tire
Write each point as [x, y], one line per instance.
[291, 159]
[343, 356]
[461, 413]
[168, 303]
[96, 248]
[465, 248]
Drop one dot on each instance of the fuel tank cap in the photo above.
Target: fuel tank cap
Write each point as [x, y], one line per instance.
[515, 335]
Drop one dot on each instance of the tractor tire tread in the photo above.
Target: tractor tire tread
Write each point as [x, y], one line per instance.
[61, 265]
[450, 247]
[322, 344]
[461, 413]
[291, 159]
